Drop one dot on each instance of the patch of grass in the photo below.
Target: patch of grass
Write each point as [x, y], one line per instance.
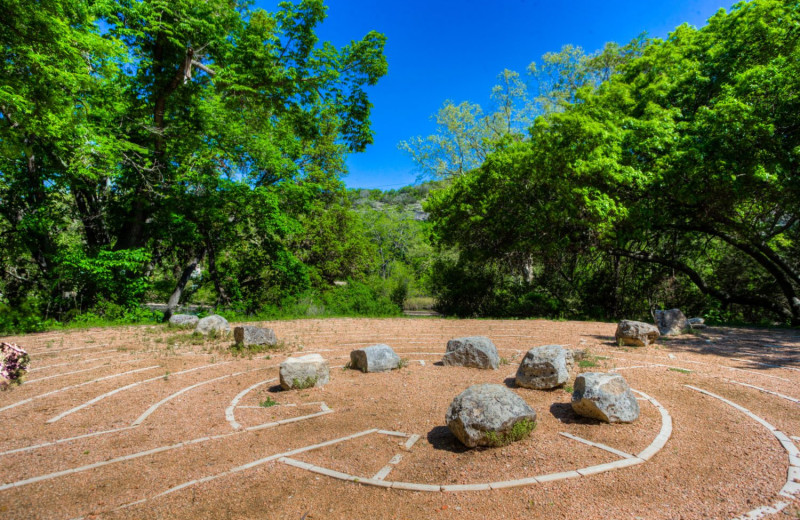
[402, 364]
[518, 432]
[302, 384]
[504, 361]
[587, 363]
[267, 403]
[239, 349]
[681, 370]
[568, 389]
[166, 376]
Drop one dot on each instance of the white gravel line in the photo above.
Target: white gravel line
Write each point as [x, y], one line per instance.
[792, 399]
[126, 387]
[28, 400]
[71, 363]
[790, 489]
[597, 445]
[31, 381]
[60, 441]
[230, 409]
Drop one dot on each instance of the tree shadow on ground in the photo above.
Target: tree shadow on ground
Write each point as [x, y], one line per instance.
[565, 414]
[441, 438]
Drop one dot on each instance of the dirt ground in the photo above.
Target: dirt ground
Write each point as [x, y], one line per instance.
[152, 423]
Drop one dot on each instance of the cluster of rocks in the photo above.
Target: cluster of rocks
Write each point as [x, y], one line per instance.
[493, 415]
[671, 322]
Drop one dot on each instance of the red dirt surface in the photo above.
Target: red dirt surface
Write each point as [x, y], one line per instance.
[718, 462]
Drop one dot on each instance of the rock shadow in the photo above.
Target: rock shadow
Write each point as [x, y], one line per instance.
[275, 389]
[564, 413]
[441, 438]
[439, 363]
[510, 382]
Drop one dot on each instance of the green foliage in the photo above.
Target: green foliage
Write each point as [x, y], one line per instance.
[302, 384]
[519, 431]
[268, 402]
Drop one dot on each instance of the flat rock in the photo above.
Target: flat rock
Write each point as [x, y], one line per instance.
[636, 333]
[545, 367]
[474, 351]
[604, 396]
[375, 358]
[672, 322]
[250, 335]
[304, 372]
[214, 323]
[484, 415]
[183, 320]
[697, 323]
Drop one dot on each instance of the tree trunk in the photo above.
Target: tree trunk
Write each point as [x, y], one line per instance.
[175, 298]
[222, 296]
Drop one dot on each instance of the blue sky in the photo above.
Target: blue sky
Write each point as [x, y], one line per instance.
[440, 50]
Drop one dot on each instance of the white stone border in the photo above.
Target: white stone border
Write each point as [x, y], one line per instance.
[629, 460]
[28, 400]
[782, 396]
[62, 374]
[792, 487]
[126, 387]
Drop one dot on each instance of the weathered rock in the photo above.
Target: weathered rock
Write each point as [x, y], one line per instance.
[183, 320]
[474, 351]
[636, 333]
[375, 358]
[485, 415]
[214, 323]
[672, 322]
[544, 367]
[606, 397]
[304, 372]
[250, 335]
[697, 323]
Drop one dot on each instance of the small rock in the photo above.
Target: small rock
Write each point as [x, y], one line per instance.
[250, 335]
[304, 372]
[375, 358]
[485, 415]
[475, 351]
[697, 323]
[183, 320]
[606, 397]
[214, 322]
[636, 333]
[544, 368]
[672, 322]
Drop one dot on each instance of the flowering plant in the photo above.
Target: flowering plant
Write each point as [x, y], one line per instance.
[14, 363]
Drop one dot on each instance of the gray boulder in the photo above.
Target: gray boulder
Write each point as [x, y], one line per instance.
[214, 322]
[183, 320]
[375, 358]
[474, 351]
[606, 397]
[636, 333]
[697, 323]
[304, 372]
[250, 335]
[485, 415]
[545, 367]
[672, 322]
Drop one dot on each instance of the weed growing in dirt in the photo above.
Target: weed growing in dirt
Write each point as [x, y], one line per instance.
[267, 403]
[504, 361]
[518, 432]
[302, 384]
[166, 376]
[568, 389]
[240, 349]
[402, 364]
[587, 363]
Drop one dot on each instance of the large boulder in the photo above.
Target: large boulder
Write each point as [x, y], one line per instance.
[375, 358]
[672, 322]
[304, 372]
[545, 367]
[215, 323]
[604, 396]
[489, 415]
[249, 335]
[636, 333]
[183, 320]
[474, 351]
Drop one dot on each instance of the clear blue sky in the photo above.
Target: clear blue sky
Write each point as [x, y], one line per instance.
[440, 50]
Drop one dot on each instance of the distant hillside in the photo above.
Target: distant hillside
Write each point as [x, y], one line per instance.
[408, 199]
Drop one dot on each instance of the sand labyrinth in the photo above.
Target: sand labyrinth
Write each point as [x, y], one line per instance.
[116, 424]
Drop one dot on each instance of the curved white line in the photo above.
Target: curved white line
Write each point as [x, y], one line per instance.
[126, 387]
[31, 381]
[229, 410]
[28, 400]
[790, 488]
